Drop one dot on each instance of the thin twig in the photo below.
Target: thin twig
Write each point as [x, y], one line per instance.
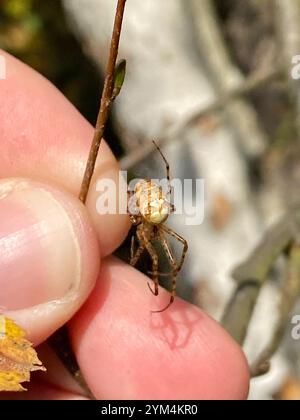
[252, 274]
[59, 340]
[288, 30]
[250, 84]
[241, 114]
[289, 293]
[106, 101]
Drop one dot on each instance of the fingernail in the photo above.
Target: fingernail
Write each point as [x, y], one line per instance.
[41, 249]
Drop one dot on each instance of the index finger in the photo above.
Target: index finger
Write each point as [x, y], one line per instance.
[44, 137]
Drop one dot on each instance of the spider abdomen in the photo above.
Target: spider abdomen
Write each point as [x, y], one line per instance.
[152, 202]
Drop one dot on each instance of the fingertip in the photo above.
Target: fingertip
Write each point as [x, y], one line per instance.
[127, 352]
[49, 256]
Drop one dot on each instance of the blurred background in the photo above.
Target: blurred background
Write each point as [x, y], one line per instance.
[216, 81]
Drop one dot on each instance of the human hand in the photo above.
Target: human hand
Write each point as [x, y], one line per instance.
[54, 255]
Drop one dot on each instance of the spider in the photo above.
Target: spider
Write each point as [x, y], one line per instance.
[151, 210]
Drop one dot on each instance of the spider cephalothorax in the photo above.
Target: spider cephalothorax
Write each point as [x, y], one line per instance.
[149, 211]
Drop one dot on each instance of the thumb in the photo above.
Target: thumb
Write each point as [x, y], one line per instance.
[49, 257]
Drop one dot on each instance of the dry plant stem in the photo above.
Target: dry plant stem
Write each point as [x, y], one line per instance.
[252, 274]
[250, 84]
[60, 341]
[289, 293]
[106, 101]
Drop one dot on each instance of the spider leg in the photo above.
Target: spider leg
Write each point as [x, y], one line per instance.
[134, 257]
[180, 239]
[174, 272]
[132, 249]
[134, 218]
[147, 244]
[149, 202]
[166, 307]
[167, 168]
[169, 252]
[170, 256]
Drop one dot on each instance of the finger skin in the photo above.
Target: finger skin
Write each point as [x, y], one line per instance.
[125, 352]
[44, 137]
[49, 229]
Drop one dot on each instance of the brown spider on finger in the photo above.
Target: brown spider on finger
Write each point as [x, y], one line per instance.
[150, 211]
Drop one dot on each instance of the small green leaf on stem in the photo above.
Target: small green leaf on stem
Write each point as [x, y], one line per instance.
[119, 77]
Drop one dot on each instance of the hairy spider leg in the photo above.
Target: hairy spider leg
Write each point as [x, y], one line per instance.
[184, 251]
[167, 169]
[135, 219]
[180, 239]
[146, 244]
[154, 257]
[174, 272]
[135, 256]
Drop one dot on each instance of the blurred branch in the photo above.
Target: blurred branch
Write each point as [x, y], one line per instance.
[249, 85]
[225, 75]
[289, 293]
[252, 274]
[288, 29]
